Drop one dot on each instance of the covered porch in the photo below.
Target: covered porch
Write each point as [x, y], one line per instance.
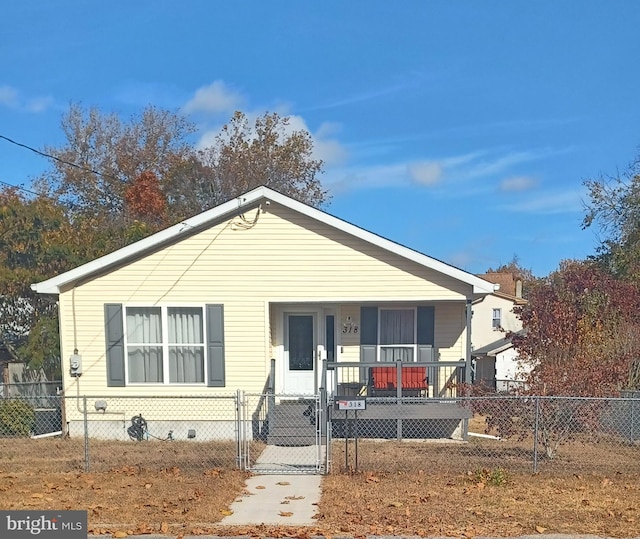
[362, 344]
[398, 357]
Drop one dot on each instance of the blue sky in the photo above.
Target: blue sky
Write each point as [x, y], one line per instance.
[462, 129]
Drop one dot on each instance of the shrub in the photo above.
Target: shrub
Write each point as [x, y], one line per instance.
[495, 477]
[17, 418]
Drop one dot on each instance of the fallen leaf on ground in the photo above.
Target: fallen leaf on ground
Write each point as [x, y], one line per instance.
[261, 487]
[286, 513]
[283, 483]
[540, 529]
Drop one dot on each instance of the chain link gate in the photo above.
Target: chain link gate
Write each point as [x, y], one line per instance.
[282, 434]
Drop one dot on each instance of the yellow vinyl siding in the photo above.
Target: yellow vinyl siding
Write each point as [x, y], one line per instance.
[450, 332]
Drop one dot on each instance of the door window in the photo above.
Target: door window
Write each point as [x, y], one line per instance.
[300, 342]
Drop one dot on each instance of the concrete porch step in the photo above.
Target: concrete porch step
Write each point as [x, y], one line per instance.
[291, 441]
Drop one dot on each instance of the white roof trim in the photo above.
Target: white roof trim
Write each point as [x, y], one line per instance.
[173, 233]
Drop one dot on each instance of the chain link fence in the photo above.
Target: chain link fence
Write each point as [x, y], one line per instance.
[108, 433]
[526, 434]
[306, 434]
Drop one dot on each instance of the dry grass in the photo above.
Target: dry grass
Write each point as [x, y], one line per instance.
[68, 454]
[429, 502]
[402, 488]
[128, 498]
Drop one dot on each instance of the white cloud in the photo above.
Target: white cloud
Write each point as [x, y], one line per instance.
[10, 97]
[38, 104]
[217, 98]
[517, 183]
[346, 179]
[331, 151]
[325, 147]
[500, 163]
[425, 172]
[208, 138]
[548, 203]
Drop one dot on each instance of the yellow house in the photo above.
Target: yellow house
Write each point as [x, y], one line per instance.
[200, 309]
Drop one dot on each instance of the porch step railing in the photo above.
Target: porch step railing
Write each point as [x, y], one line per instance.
[260, 418]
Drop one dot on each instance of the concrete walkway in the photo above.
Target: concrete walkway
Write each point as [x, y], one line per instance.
[272, 498]
[285, 500]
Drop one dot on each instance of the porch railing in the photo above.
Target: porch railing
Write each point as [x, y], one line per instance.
[434, 379]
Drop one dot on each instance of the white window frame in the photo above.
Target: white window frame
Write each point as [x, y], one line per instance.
[496, 321]
[413, 347]
[165, 344]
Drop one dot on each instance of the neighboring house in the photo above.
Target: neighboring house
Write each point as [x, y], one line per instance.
[8, 362]
[496, 361]
[202, 307]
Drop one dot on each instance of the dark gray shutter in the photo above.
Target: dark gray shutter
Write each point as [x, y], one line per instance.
[215, 345]
[368, 333]
[114, 335]
[426, 333]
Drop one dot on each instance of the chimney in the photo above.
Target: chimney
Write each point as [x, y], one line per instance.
[519, 288]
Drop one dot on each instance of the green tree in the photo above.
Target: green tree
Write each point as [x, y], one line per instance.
[614, 208]
[35, 243]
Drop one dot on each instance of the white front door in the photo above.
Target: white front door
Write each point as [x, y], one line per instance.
[300, 353]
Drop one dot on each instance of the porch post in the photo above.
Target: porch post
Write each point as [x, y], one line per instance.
[467, 370]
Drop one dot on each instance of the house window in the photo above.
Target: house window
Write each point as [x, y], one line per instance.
[397, 335]
[496, 322]
[165, 345]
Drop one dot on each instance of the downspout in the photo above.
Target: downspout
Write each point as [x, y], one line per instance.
[467, 371]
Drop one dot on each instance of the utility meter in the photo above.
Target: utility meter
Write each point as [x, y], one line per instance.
[75, 365]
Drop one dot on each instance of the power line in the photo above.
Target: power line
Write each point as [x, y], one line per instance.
[63, 161]
[20, 188]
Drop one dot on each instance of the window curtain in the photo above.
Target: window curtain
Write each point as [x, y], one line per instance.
[397, 327]
[390, 354]
[186, 345]
[144, 344]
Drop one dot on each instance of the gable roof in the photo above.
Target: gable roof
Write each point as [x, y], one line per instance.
[495, 347]
[207, 218]
[509, 286]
